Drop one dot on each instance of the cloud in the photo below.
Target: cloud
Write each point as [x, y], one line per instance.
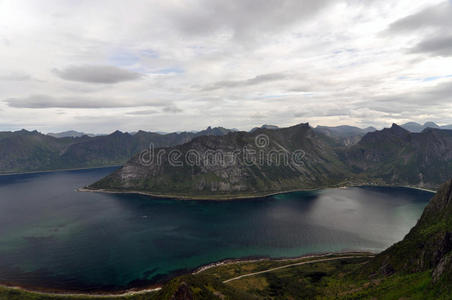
[439, 95]
[244, 19]
[437, 16]
[15, 77]
[172, 109]
[45, 101]
[437, 46]
[97, 74]
[221, 63]
[142, 112]
[248, 82]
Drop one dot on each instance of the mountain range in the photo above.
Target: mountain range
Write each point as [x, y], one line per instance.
[416, 127]
[392, 156]
[216, 172]
[26, 151]
[341, 155]
[346, 135]
[397, 156]
[70, 133]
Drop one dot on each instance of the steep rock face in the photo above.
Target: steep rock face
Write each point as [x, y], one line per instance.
[428, 246]
[263, 161]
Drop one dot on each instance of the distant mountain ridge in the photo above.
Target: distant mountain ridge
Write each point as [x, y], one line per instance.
[265, 126]
[416, 127]
[26, 151]
[346, 135]
[70, 133]
[389, 156]
[396, 156]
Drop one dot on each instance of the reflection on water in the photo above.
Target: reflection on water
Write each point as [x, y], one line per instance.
[52, 236]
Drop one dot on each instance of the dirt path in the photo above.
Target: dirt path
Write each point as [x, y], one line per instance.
[291, 265]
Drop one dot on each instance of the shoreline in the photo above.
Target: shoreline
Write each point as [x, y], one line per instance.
[195, 198]
[198, 270]
[241, 197]
[59, 170]
[126, 293]
[211, 197]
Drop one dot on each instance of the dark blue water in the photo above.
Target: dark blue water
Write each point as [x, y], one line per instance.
[54, 237]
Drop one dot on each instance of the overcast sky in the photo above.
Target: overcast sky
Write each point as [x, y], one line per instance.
[169, 65]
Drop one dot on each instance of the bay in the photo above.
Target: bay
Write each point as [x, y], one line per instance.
[53, 237]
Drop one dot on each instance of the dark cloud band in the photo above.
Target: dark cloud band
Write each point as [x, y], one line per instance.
[97, 74]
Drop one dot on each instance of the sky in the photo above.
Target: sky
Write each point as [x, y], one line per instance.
[101, 65]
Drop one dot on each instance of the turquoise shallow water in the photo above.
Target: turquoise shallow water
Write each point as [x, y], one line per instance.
[54, 237]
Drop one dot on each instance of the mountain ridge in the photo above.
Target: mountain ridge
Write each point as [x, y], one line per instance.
[416, 127]
[28, 151]
[392, 156]
[236, 179]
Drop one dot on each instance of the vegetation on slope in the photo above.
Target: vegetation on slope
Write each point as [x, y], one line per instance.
[25, 151]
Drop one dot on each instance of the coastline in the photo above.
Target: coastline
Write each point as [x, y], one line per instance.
[157, 287]
[200, 197]
[127, 293]
[226, 197]
[58, 170]
[243, 196]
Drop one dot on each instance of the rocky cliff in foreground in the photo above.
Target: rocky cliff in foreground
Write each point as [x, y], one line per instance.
[428, 246]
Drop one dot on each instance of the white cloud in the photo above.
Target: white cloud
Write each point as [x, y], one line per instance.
[174, 65]
[45, 101]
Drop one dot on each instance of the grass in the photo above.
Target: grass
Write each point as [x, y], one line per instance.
[334, 279]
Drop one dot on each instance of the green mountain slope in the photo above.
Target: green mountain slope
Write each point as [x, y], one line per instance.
[24, 151]
[427, 247]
